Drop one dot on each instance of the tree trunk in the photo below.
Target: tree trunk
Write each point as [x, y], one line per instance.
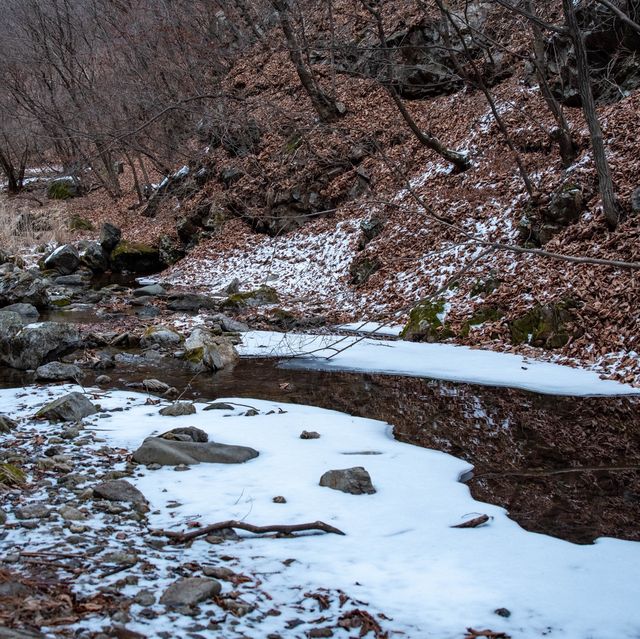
[612, 212]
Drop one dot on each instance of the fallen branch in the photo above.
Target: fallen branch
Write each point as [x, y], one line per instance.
[473, 523]
[183, 537]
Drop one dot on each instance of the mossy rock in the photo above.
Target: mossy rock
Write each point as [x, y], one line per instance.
[544, 326]
[425, 325]
[485, 286]
[77, 223]
[362, 268]
[258, 297]
[62, 189]
[11, 475]
[60, 302]
[135, 257]
[480, 316]
[195, 355]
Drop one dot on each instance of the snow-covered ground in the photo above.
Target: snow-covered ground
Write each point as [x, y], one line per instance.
[399, 554]
[439, 361]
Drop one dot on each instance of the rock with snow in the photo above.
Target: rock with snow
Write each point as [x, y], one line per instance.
[355, 481]
[178, 409]
[58, 372]
[157, 450]
[65, 259]
[188, 591]
[70, 408]
[26, 347]
[207, 351]
[27, 311]
[119, 490]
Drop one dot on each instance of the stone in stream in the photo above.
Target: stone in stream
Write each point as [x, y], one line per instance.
[207, 351]
[178, 409]
[188, 591]
[160, 335]
[355, 481]
[58, 372]
[156, 450]
[70, 408]
[155, 386]
[64, 259]
[119, 490]
[27, 311]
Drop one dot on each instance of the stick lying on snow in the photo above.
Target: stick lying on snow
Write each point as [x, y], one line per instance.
[182, 537]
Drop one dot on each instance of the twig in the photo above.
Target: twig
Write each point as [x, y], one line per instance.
[473, 523]
[180, 538]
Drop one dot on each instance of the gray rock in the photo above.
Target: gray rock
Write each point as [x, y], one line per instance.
[7, 424]
[156, 450]
[145, 598]
[160, 335]
[228, 324]
[70, 408]
[65, 259]
[207, 351]
[32, 511]
[119, 490]
[102, 380]
[190, 302]
[73, 280]
[189, 591]
[58, 372]
[69, 513]
[110, 235]
[153, 290]
[219, 406]
[94, 257]
[191, 433]
[27, 311]
[178, 409]
[355, 481]
[26, 347]
[27, 287]
[12, 633]
[309, 434]
[155, 386]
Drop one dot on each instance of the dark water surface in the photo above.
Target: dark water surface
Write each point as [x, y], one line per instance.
[564, 466]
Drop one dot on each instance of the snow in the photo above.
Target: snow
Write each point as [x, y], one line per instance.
[439, 361]
[393, 330]
[399, 553]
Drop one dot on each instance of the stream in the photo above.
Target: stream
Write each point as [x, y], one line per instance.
[563, 466]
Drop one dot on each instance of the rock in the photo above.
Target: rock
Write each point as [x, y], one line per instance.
[135, 257]
[63, 188]
[309, 434]
[93, 256]
[155, 386]
[503, 612]
[12, 633]
[545, 326]
[228, 324]
[219, 406]
[635, 200]
[208, 351]
[178, 409]
[58, 372]
[362, 268]
[355, 481]
[145, 598]
[69, 513]
[279, 499]
[7, 424]
[188, 591]
[26, 347]
[190, 302]
[191, 433]
[70, 408]
[32, 511]
[77, 223]
[156, 450]
[427, 323]
[26, 311]
[119, 490]
[64, 259]
[170, 250]
[110, 235]
[259, 297]
[152, 290]
[103, 380]
[27, 287]
[160, 335]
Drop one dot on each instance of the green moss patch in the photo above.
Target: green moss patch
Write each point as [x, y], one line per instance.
[425, 325]
[258, 297]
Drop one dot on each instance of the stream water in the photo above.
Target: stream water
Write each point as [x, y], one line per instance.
[564, 466]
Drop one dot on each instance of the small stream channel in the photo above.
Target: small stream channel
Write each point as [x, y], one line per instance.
[563, 466]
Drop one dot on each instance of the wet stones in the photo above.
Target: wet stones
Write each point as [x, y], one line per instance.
[189, 591]
[58, 372]
[160, 336]
[72, 407]
[355, 481]
[65, 259]
[204, 350]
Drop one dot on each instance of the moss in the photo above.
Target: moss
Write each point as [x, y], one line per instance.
[11, 475]
[77, 223]
[543, 326]
[195, 355]
[480, 316]
[424, 323]
[257, 297]
[61, 190]
[293, 143]
[60, 302]
[125, 247]
[135, 257]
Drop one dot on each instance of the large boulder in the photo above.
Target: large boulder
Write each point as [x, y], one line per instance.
[135, 257]
[94, 257]
[110, 236]
[58, 372]
[64, 259]
[26, 347]
[22, 286]
[26, 311]
[355, 481]
[207, 351]
[69, 408]
[166, 452]
[161, 336]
